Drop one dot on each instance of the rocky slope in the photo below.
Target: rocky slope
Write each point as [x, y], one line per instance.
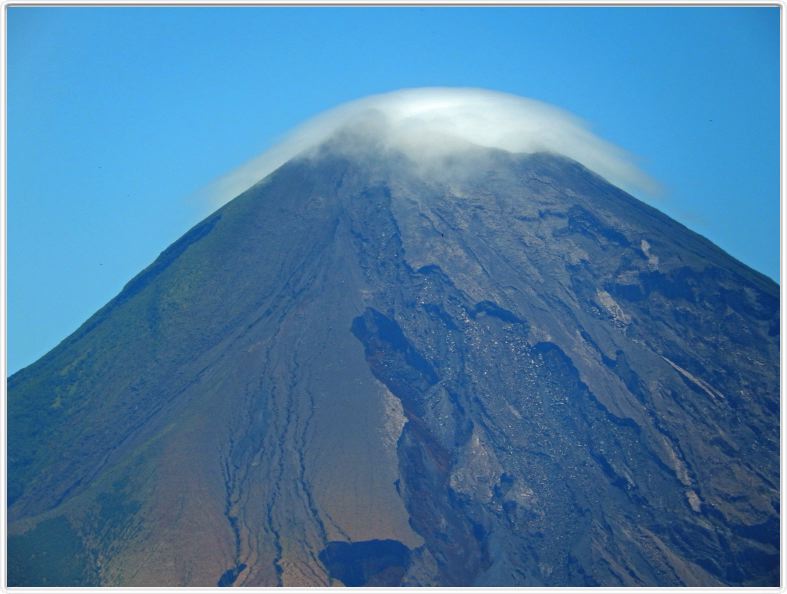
[362, 373]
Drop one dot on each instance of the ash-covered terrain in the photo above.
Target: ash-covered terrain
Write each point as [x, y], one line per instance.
[508, 374]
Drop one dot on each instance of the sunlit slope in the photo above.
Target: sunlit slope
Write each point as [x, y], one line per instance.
[508, 374]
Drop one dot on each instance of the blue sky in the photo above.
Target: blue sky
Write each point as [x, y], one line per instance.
[118, 117]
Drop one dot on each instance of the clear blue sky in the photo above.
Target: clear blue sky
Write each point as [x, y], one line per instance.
[117, 116]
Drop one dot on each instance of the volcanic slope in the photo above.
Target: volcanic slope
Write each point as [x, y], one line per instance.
[511, 373]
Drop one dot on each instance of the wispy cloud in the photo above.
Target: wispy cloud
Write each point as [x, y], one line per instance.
[434, 122]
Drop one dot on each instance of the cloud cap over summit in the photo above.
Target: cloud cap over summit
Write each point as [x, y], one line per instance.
[433, 122]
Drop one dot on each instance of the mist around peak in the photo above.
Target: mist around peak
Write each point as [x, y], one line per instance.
[431, 124]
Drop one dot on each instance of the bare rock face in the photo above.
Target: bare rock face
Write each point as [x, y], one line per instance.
[511, 373]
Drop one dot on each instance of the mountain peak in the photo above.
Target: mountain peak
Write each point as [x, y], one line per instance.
[360, 372]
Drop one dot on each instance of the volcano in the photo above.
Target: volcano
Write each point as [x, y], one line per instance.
[493, 369]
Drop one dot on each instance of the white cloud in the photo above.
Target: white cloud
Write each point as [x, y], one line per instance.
[434, 122]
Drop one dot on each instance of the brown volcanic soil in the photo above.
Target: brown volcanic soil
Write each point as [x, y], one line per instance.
[510, 374]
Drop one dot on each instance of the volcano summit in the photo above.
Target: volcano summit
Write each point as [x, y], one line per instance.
[430, 345]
